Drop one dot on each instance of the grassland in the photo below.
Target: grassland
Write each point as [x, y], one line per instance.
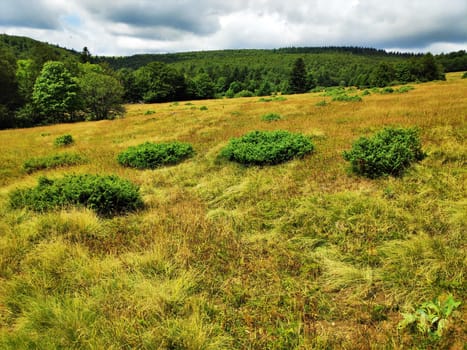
[301, 255]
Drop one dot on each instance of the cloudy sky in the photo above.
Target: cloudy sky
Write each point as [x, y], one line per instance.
[125, 27]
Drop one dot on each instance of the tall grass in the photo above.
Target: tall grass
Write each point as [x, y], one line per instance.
[298, 255]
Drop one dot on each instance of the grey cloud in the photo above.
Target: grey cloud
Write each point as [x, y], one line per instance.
[173, 17]
[24, 13]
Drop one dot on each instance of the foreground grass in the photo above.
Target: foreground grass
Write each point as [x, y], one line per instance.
[294, 256]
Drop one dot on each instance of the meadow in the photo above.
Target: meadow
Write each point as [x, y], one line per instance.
[299, 255]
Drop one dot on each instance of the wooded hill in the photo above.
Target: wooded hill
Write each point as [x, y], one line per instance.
[194, 75]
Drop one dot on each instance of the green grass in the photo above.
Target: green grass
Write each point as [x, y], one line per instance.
[299, 255]
[53, 161]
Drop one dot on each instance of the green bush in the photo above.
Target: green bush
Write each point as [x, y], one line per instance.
[53, 161]
[366, 93]
[152, 155]
[244, 93]
[270, 117]
[64, 140]
[321, 103]
[404, 89]
[107, 195]
[464, 76]
[267, 147]
[203, 108]
[388, 152]
[347, 98]
[386, 90]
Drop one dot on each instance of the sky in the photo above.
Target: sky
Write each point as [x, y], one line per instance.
[127, 27]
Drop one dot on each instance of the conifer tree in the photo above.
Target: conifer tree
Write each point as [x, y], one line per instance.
[298, 77]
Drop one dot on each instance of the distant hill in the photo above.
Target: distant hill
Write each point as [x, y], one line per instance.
[246, 55]
[24, 47]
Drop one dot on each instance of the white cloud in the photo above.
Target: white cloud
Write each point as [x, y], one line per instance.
[134, 26]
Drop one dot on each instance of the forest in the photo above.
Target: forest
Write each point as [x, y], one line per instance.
[46, 84]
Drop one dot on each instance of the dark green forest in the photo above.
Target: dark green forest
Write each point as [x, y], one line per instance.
[45, 84]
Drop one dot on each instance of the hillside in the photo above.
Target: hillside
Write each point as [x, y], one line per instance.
[24, 47]
[298, 255]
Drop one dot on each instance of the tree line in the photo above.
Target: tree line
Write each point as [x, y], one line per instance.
[44, 84]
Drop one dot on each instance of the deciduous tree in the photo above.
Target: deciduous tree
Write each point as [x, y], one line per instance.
[55, 95]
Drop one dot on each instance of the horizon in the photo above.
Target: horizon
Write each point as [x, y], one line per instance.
[365, 47]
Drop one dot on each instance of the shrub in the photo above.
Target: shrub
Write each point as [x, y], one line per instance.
[149, 112]
[464, 76]
[347, 98]
[270, 117]
[271, 99]
[64, 140]
[404, 89]
[389, 152]
[321, 103]
[244, 93]
[280, 98]
[386, 90]
[203, 108]
[267, 147]
[107, 195]
[152, 155]
[53, 161]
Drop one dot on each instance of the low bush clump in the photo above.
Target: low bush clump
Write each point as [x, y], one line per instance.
[347, 98]
[386, 90]
[321, 103]
[53, 161]
[388, 152]
[270, 117]
[404, 89]
[464, 76]
[64, 140]
[153, 155]
[267, 147]
[244, 93]
[107, 195]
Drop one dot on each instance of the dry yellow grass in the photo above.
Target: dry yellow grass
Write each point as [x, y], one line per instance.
[299, 255]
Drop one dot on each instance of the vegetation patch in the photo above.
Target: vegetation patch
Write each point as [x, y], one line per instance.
[53, 161]
[107, 195]
[388, 152]
[149, 112]
[347, 98]
[386, 90]
[366, 93]
[64, 140]
[464, 76]
[272, 99]
[321, 103]
[153, 155]
[432, 318]
[244, 93]
[404, 89]
[270, 117]
[267, 147]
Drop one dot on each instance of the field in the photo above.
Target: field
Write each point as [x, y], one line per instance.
[301, 255]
